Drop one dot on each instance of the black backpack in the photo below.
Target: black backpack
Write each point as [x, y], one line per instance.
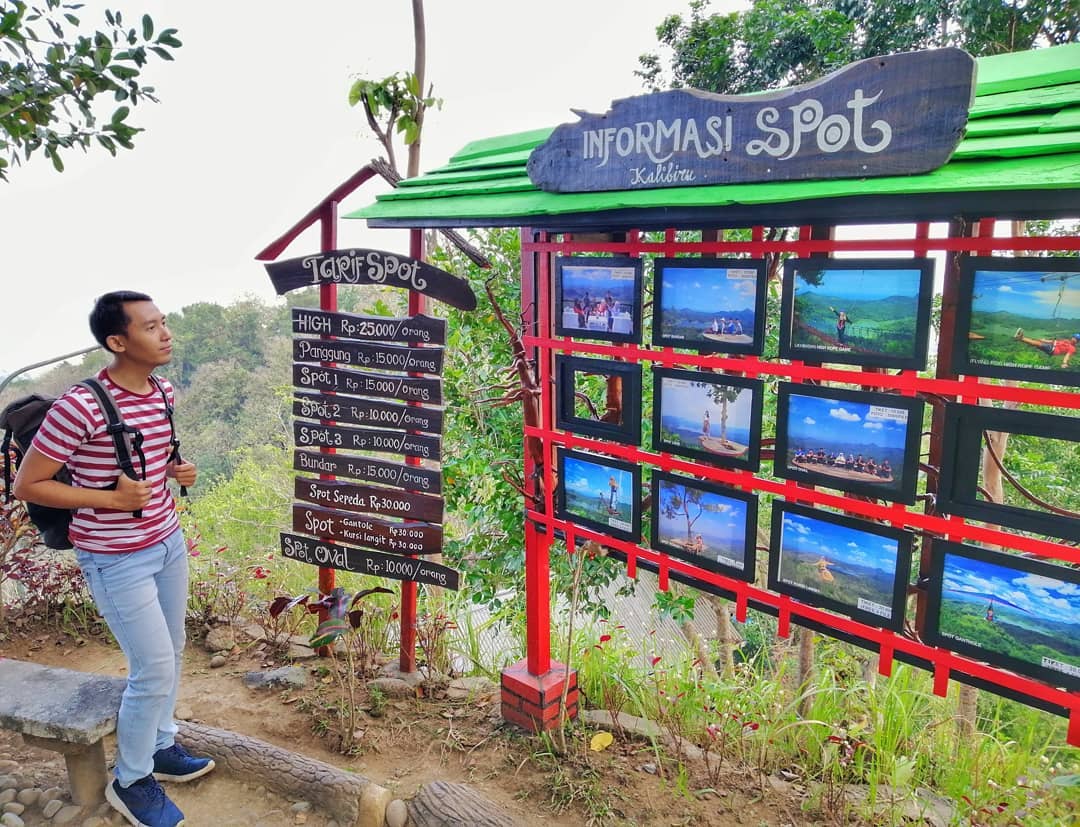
[20, 421]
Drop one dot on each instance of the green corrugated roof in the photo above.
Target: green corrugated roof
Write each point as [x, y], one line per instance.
[1023, 134]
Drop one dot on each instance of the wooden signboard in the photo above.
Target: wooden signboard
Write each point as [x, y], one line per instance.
[371, 267]
[349, 496]
[420, 328]
[362, 355]
[358, 383]
[306, 434]
[409, 477]
[345, 558]
[894, 115]
[368, 532]
[352, 411]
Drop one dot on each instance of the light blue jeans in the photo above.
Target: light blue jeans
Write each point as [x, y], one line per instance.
[143, 597]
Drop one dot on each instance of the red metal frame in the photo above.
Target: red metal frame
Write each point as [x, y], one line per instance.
[537, 251]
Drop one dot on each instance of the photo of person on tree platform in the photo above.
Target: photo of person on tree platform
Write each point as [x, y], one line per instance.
[716, 418]
[709, 304]
[1019, 318]
[872, 312]
[599, 492]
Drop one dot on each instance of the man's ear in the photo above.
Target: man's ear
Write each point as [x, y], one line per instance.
[116, 343]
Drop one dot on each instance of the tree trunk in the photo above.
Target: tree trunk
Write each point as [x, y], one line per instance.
[701, 650]
[806, 670]
[350, 799]
[965, 714]
[419, 70]
[442, 804]
[726, 635]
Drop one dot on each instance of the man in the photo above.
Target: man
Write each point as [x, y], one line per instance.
[842, 321]
[128, 543]
[1065, 348]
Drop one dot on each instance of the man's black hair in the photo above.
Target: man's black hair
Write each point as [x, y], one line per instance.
[108, 317]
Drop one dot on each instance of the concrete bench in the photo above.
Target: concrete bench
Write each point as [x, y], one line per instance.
[64, 711]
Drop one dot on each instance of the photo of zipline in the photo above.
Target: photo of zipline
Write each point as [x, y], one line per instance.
[868, 312]
[1018, 612]
[1023, 319]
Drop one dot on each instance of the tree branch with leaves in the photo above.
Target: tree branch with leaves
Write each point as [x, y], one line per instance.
[54, 75]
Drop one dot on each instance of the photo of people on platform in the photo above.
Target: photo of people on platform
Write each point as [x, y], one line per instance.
[708, 304]
[1026, 320]
[598, 298]
[866, 312]
[846, 443]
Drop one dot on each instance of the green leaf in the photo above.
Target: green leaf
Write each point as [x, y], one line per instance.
[164, 54]
[329, 631]
[147, 27]
[119, 115]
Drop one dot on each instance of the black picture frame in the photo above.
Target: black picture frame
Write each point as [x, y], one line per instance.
[1001, 297]
[973, 590]
[817, 427]
[679, 424]
[569, 381]
[962, 446]
[891, 300]
[598, 279]
[700, 304]
[870, 560]
[574, 501]
[727, 516]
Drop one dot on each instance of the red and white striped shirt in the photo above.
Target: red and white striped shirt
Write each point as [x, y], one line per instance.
[73, 432]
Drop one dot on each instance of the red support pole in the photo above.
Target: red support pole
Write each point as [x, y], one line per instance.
[327, 301]
[407, 636]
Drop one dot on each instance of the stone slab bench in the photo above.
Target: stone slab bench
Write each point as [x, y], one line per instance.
[64, 711]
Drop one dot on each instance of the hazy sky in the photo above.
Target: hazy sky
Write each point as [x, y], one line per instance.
[254, 128]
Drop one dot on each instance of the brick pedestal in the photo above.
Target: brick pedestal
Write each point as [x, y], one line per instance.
[532, 701]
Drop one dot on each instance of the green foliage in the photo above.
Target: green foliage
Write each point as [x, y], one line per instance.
[777, 43]
[53, 70]
[393, 104]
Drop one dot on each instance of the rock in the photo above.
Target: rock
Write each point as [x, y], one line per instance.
[7, 795]
[649, 768]
[217, 661]
[301, 807]
[630, 724]
[29, 796]
[392, 687]
[7, 782]
[94, 821]
[15, 807]
[299, 651]
[391, 670]
[396, 813]
[184, 713]
[300, 818]
[11, 820]
[476, 689]
[49, 794]
[293, 677]
[67, 814]
[52, 808]
[220, 639]
[255, 631]
[7, 765]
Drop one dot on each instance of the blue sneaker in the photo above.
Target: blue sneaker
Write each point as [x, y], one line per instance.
[177, 764]
[144, 804]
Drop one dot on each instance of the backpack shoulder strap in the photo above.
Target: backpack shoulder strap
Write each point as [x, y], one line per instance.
[174, 456]
[119, 431]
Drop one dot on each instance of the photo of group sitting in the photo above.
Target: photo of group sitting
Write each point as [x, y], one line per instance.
[713, 305]
[598, 298]
[856, 441]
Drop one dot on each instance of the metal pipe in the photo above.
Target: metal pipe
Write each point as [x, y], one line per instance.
[7, 379]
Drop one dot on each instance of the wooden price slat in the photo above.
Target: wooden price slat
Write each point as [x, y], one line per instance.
[425, 329]
[352, 411]
[363, 383]
[410, 477]
[368, 532]
[345, 558]
[350, 496]
[365, 355]
[307, 435]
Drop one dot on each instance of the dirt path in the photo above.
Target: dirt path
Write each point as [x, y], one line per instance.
[410, 743]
